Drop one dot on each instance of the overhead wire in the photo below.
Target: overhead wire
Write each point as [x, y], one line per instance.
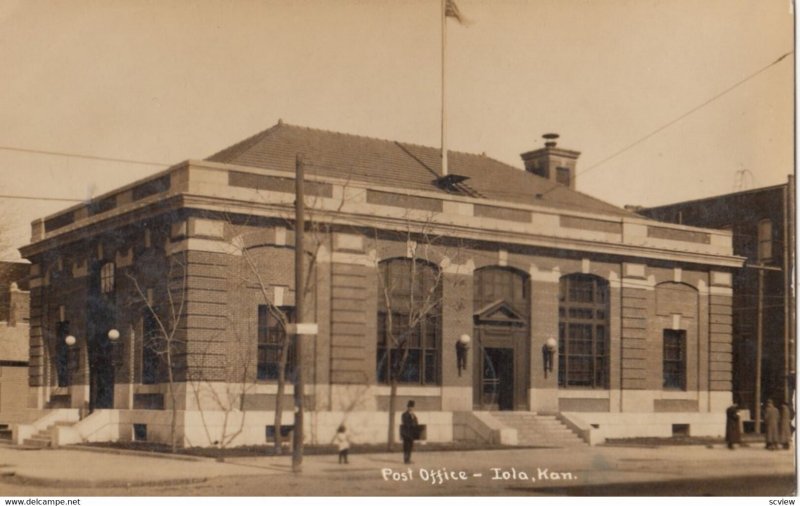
[683, 116]
[506, 192]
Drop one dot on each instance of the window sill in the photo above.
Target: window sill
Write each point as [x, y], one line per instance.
[271, 387]
[573, 392]
[418, 390]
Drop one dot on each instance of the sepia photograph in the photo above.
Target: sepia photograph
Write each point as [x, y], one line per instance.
[359, 248]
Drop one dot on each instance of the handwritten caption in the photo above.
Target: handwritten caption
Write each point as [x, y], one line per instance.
[443, 475]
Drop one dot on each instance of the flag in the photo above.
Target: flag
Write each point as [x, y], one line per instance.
[451, 11]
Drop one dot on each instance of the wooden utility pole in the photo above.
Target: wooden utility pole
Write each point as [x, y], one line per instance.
[299, 386]
[444, 73]
[788, 307]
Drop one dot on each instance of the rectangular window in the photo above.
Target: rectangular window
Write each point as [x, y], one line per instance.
[764, 240]
[271, 338]
[562, 175]
[674, 359]
[422, 356]
[107, 278]
[583, 332]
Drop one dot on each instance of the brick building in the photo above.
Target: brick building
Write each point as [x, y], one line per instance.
[573, 308]
[14, 331]
[762, 224]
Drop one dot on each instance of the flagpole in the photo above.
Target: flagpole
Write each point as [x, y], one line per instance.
[444, 117]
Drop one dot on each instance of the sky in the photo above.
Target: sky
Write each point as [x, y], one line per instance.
[170, 80]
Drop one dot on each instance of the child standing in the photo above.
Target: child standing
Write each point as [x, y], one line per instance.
[343, 443]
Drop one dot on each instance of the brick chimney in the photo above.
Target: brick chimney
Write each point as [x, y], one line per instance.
[551, 162]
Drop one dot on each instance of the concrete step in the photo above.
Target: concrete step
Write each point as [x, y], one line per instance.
[539, 430]
[39, 442]
[534, 433]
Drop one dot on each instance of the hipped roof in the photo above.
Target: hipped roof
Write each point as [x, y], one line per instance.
[403, 165]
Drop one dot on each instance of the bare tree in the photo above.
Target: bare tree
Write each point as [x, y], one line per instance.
[317, 233]
[412, 293]
[167, 342]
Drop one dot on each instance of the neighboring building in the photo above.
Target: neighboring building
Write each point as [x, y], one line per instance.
[762, 222]
[14, 341]
[639, 311]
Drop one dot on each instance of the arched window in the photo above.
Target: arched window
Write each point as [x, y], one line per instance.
[409, 322]
[583, 331]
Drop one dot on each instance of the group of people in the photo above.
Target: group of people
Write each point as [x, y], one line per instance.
[777, 425]
[409, 431]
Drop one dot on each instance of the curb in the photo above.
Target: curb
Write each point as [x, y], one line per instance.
[13, 477]
[136, 453]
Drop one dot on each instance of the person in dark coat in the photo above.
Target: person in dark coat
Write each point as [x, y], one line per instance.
[408, 431]
[732, 433]
[785, 429]
[771, 419]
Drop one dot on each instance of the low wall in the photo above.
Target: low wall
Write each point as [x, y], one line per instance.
[236, 428]
[630, 425]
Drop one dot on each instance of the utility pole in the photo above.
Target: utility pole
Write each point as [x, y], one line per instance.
[788, 307]
[299, 387]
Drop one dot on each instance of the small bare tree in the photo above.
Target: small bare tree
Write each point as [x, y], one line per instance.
[411, 291]
[317, 233]
[167, 343]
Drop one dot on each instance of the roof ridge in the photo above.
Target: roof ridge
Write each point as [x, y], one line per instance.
[392, 141]
[245, 144]
[323, 130]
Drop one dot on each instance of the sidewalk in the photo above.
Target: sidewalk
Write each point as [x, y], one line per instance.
[527, 468]
[558, 467]
[79, 468]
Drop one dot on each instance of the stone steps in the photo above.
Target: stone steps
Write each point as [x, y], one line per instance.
[41, 439]
[39, 442]
[538, 430]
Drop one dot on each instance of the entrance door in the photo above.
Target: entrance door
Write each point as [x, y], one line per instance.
[100, 313]
[497, 379]
[501, 362]
[102, 374]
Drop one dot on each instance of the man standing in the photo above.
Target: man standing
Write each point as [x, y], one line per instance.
[732, 433]
[408, 431]
[771, 419]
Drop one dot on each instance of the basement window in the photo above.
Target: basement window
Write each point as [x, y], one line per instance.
[286, 431]
[680, 430]
[140, 432]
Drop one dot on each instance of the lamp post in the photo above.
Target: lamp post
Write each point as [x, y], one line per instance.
[549, 350]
